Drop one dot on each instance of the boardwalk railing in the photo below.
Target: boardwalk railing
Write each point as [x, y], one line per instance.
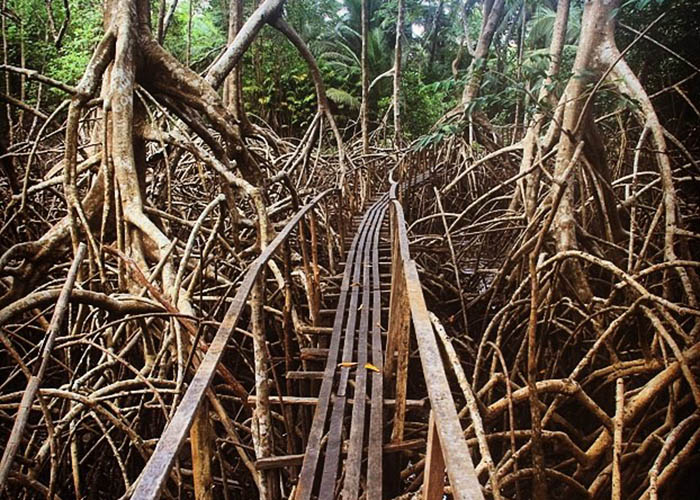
[446, 447]
[189, 415]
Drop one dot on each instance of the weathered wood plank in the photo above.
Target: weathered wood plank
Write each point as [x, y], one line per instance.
[330, 465]
[416, 404]
[202, 453]
[353, 463]
[304, 375]
[458, 462]
[376, 417]
[434, 475]
[279, 462]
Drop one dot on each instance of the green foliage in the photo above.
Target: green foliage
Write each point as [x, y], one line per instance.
[32, 29]
[541, 26]
[443, 132]
[424, 103]
[343, 98]
[82, 36]
[277, 85]
[341, 51]
[641, 4]
[208, 33]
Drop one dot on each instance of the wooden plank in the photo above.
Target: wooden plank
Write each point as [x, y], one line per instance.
[314, 353]
[339, 277]
[398, 335]
[334, 295]
[458, 462]
[279, 462]
[333, 448]
[316, 330]
[353, 463]
[417, 404]
[434, 475]
[330, 465]
[376, 417]
[202, 453]
[304, 375]
[401, 331]
[334, 444]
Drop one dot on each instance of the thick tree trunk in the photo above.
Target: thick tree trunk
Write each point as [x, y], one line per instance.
[596, 15]
[397, 75]
[434, 31]
[267, 11]
[364, 61]
[530, 185]
[233, 91]
[492, 17]
[465, 42]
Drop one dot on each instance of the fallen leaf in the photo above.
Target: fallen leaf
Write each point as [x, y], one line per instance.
[360, 308]
[370, 366]
[347, 364]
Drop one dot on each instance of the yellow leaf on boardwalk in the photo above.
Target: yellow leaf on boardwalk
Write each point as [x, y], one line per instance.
[347, 364]
[370, 366]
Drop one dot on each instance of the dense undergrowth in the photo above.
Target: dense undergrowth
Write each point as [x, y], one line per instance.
[557, 234]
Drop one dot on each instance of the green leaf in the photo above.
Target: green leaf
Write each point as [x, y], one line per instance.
[344, 98]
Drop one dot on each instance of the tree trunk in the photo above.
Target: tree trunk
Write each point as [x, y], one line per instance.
[397, 75]
[267, 11]
[464, 15]
[530, 185]
[596, 15]
[364, 109]
[233, 87]
[492, 17]
[434, 35]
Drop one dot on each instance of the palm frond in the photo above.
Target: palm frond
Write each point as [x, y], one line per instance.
[342, 97]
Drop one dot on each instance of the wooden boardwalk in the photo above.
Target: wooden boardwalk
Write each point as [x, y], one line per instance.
[360, 295]
[355, 375]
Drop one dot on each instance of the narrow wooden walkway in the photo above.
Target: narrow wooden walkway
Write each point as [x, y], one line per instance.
[323, 470]
[360, 360]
